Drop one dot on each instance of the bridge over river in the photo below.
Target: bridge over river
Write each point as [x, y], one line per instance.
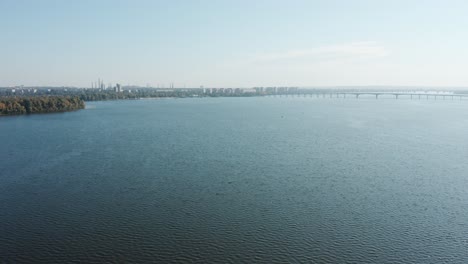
[395, 95]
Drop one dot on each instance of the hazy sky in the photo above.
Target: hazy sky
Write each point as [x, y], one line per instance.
[234, 43]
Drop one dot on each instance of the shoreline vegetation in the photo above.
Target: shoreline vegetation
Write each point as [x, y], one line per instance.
[39, 104]
[32, 101]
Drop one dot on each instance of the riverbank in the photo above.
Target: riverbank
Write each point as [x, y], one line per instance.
[39, 104]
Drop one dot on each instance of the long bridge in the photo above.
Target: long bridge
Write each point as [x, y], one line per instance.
[395, 95]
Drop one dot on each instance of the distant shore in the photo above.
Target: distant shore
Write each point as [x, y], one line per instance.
[17, 101]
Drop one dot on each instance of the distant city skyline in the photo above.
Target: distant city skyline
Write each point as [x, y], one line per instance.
[234, 43]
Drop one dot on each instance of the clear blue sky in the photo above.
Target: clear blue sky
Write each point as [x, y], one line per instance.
[234, 43]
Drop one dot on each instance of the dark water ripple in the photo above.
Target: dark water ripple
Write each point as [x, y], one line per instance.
[284, 180]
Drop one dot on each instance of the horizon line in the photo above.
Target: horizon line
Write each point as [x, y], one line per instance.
[250, 87]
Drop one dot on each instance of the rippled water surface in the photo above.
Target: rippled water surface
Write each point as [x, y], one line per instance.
[237, 180]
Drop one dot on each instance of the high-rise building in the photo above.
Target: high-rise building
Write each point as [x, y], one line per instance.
[118, 88]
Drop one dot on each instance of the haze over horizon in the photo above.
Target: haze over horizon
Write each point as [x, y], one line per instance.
[234, 43]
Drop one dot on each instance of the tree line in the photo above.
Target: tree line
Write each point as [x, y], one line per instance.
[39, 104]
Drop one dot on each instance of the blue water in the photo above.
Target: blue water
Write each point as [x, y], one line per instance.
[300, 180]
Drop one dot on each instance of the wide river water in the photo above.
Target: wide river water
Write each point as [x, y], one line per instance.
[237, 180]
